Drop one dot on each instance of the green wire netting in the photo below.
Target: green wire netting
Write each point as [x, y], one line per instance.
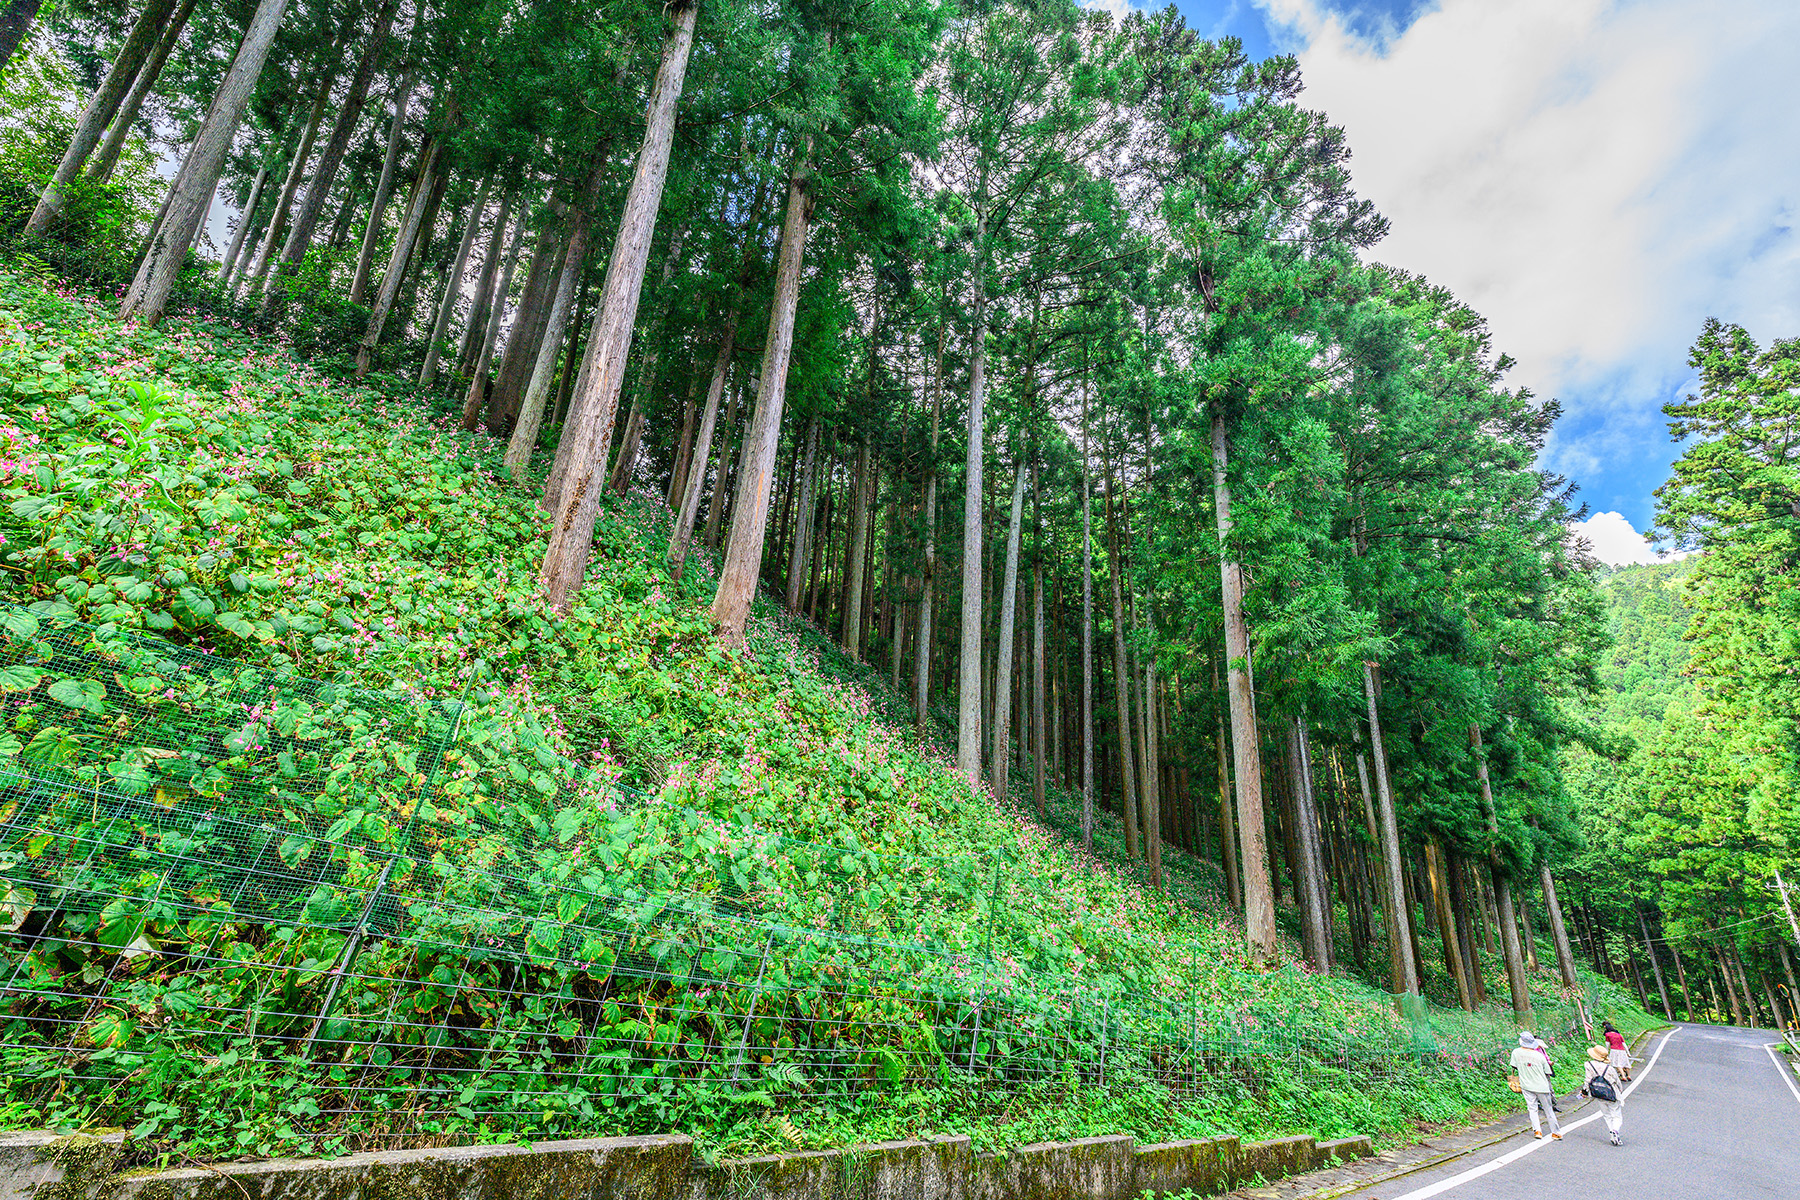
[208, 867]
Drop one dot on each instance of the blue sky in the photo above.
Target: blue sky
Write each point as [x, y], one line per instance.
[1595, 176]
[1373, 20]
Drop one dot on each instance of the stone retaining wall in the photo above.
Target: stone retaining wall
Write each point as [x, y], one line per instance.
[35, 1166]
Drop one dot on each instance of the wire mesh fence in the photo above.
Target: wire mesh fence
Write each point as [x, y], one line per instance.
[214, 875]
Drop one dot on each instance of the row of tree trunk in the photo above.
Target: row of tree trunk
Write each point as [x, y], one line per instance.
[825, 539]
[291, 192]
[1724, 984]
[512, 366]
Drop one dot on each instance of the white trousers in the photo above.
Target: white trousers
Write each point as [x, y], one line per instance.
[1613, 1114]
[1536, 1102]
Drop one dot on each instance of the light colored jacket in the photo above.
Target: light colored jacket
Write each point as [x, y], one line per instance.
[1531, 1064]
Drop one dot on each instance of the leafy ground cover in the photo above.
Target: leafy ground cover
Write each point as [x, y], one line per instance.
[195, 485]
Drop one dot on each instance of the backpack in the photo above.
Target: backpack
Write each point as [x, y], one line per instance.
[1601, 1088]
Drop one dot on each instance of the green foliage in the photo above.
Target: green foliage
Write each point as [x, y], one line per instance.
[305, 530]
[1735, 492]
[96, 234]
[1665, 798]
[1687, 801]
[316, 318]
[1135, 234]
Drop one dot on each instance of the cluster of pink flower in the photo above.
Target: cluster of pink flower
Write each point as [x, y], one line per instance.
[16, 453]
[239, 398]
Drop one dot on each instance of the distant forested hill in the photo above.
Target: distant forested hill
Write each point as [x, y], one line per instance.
[1674, 851]
[1643, 671]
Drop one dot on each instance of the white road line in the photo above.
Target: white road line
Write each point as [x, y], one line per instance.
[1787, 1072]
[1444, 1185]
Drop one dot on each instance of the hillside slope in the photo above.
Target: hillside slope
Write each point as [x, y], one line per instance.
[541, 875]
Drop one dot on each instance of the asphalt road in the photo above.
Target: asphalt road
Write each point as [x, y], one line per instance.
[1710, 1119]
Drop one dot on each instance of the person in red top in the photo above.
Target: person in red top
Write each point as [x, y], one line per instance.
[1616, 1053]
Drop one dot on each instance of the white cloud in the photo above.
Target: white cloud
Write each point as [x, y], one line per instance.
[1594, 176]
[1615, 542]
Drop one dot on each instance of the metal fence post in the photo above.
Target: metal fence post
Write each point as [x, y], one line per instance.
[1194, 1041]
[975, 1036]
[353, 946]
[346, 959]
[1105, 1023]
[987, 954]
[750, 1013]
[993, 908]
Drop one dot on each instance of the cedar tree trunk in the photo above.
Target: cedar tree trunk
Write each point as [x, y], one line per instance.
[101, 107]
[192, 193]
[750, 511]
[324, 175]
[453, 284]
[1003, 671]
[968, 695]
[576, 495]
[384, 187]
[1259, 898]
[397, 260]
[100, 168]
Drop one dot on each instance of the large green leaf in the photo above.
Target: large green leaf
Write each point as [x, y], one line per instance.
[17, 677]
[89, 695]
[236, 623]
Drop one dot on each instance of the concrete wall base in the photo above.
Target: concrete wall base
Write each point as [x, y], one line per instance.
[43, 1166]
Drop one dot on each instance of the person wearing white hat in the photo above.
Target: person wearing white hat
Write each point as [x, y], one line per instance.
[1533, 1082]
[1599, 1067]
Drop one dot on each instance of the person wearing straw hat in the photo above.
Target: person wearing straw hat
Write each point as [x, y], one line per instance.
[1529, 1064]
[1616, 1053]
[1599, 1067]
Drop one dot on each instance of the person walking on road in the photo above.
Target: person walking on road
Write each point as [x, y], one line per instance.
[1602, 1080]
[1530, 1063]
[1617, 1055]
